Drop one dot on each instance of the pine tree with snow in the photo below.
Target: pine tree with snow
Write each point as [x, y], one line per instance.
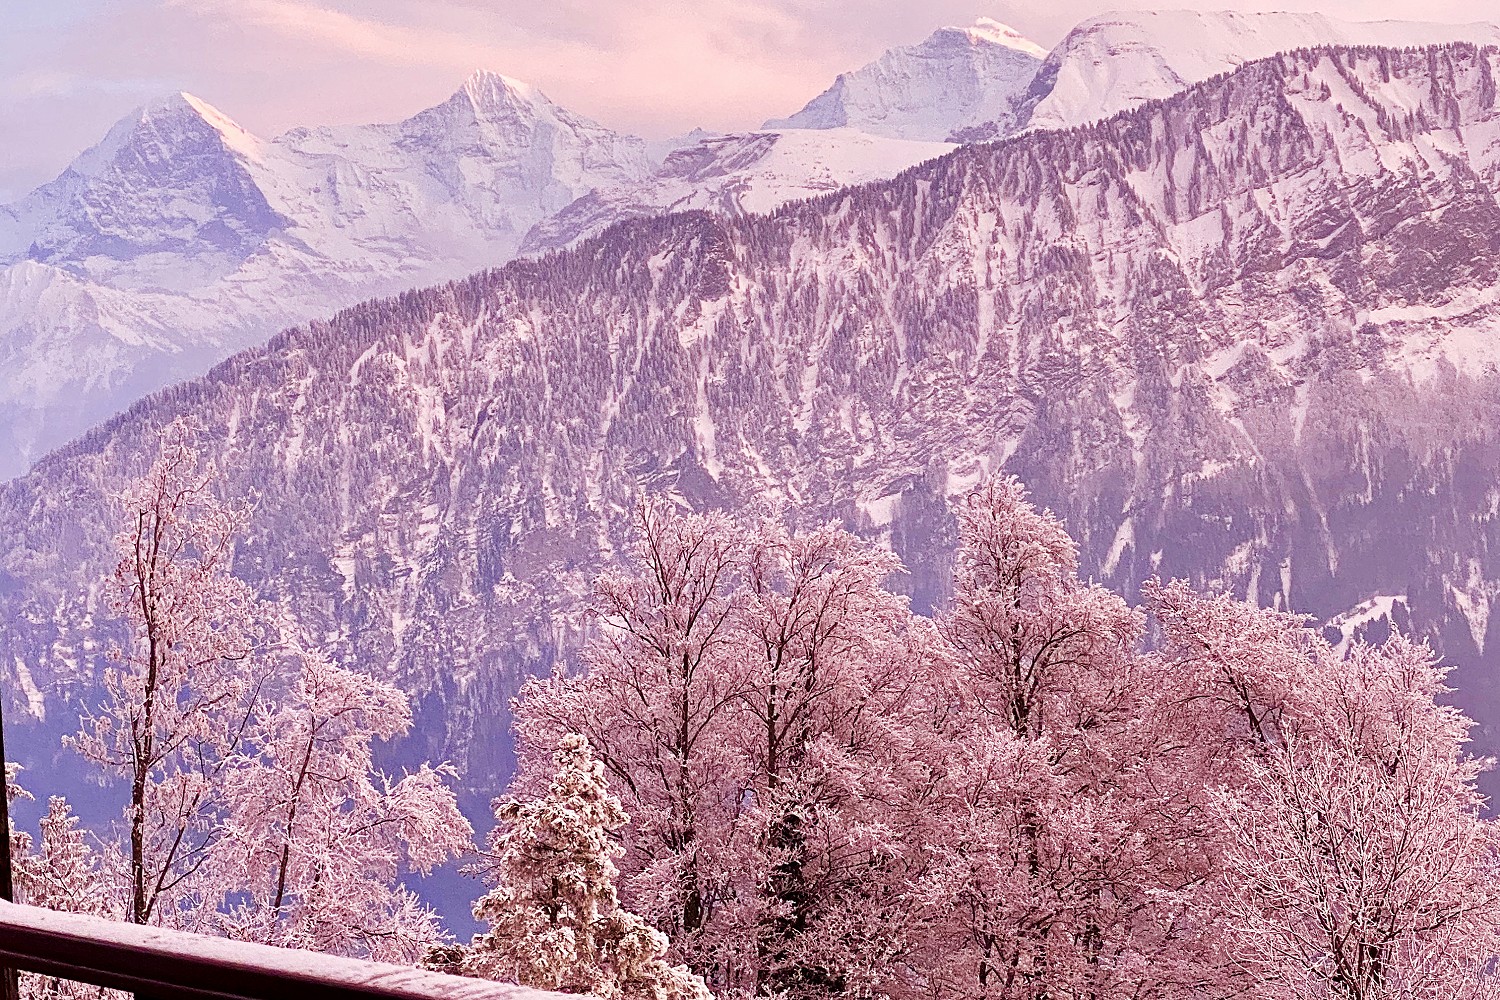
[20, 841]
[64, 872]
[555, 920]
[60, 871]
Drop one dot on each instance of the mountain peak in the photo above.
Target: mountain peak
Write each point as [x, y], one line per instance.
[951, 83]
[180, 103]
[176, 102]
[487, 90]
[991, 31]
[166, 122]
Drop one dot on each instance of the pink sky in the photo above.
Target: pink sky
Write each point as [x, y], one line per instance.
[69, 68]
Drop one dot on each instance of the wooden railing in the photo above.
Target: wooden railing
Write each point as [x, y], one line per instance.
[160, 964]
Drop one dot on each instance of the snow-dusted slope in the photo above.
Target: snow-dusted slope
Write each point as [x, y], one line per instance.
[735, 174]
[986, 82]
[960, 83]
[181, 237]
[1121, 60]
[1249, 336]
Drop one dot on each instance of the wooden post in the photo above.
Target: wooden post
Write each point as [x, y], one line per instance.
[9, 985]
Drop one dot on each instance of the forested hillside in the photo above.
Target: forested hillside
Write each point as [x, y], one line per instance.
[1243, 335]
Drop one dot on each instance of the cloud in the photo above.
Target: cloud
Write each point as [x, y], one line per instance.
[655, 66]
[364, 38]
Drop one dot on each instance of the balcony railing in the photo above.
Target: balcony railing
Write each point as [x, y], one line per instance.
[160, 964]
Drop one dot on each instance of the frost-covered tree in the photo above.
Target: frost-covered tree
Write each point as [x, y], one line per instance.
[65, 870]
[254, 808]
[828, 675]
[20, 841]
[181, 691]
[63, 873]
[656, 705]
[1015, 800]
[1054, 845]
[1039, 651]
[316, 838]
[555, 920]
[747, 694]
[1354, 862]
[58, 870]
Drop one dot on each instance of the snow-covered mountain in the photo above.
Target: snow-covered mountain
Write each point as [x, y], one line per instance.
[987, 81]
[735, 174]
[957, 85]
[181, 237]
[1248, 335]
[1118, 61]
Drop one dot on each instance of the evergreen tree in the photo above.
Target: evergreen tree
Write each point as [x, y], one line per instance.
[555, 920]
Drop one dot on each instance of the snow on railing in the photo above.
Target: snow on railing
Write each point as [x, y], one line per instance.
[166, 965]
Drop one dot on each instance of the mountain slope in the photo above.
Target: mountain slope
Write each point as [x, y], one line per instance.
[1118, 61]
[736, 174]
[181, 238]
[1246, 335]
[955, 81]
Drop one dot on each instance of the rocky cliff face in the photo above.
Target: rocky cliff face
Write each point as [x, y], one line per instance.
[1248, 335]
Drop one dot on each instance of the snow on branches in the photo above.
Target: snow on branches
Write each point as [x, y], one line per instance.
[555, 920]
[182, 690]
[1353, 858]
[830, 795]
[318, 838]
[775, 780]
[253, 807]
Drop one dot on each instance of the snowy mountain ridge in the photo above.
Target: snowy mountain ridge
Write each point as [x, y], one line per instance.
[1117, 61]
[932, 91]
[1271, 373]
[987, 81]
[738, 174]
[181, 237]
